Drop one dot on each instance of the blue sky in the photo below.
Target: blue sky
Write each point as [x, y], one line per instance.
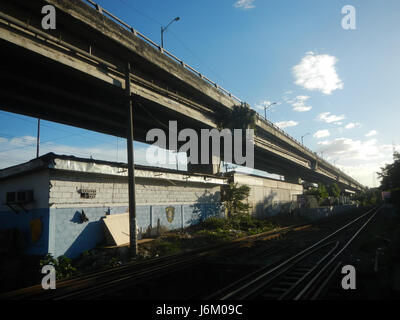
[295, 53]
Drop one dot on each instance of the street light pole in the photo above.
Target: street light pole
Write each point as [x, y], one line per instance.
[265, 109]
[163, 29]
[303, 137]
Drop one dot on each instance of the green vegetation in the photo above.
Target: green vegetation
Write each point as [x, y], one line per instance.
[211, 230]
[62, 264]
[390, 179]
[334, 190]
[233, 198]
[390, 174]
[321, 193]
[166, 246]
[242, 224]
[369, 197]
[325, 195]
[240, 117]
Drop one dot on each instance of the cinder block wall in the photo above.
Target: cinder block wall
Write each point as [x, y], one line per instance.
[191, 201]
[268, 196]
[113, 191]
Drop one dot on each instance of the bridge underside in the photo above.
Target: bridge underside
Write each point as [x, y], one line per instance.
[44, 81]
[35, 86]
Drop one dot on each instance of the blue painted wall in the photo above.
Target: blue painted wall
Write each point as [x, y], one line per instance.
[21, 221]
[63, 233]
[69, 237]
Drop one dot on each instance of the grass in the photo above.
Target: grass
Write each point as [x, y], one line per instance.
[210, 231]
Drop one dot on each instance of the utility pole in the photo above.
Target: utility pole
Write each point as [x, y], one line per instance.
[38, 139]
[131, 166]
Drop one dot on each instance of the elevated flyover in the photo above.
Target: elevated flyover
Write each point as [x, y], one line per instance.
[76, 74]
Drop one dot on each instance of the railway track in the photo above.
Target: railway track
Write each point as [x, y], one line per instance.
[94, 284]
[106, 282]
[302, 276]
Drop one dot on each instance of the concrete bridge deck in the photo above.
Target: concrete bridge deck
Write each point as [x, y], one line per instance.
[75, 75]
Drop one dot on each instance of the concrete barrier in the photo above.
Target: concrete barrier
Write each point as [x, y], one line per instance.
[323, 212]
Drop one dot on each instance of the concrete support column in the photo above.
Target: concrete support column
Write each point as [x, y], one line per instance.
[314, 165]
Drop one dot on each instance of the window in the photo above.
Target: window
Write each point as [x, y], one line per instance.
[19, 197]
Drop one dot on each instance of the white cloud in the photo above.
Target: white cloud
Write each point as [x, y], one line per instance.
[364, 173]
[317, 72]
[285, 124]
[371, 133]
[321, 134]
[329, 118]
[299, 104]
[22, 149]
[359, 159]
[263, 104]
[244, 4]
[352, 125]
[348, 149]
[267, 103]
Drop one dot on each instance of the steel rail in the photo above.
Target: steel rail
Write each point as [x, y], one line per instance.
[330, 262]
[309, 272]
[257, 287]
[284, 263]
[126, 279]
[86, 280]
[328, 278]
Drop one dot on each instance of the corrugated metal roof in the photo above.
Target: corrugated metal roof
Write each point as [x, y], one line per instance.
[85, 165]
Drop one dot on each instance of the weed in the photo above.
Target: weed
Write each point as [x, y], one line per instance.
[62, 264]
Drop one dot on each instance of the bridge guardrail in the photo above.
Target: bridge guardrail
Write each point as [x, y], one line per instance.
[162, 50]
[199, 74]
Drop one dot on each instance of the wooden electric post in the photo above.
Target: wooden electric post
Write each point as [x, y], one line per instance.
[131, 167]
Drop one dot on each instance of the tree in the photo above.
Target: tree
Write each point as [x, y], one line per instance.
[240, 117]
[390, 174]
[233, 197]
[334, 190]
[369, 197]
[321, 193]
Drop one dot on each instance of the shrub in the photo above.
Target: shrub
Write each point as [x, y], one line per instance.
[165, 247]
[233, 197]
[62, 264]
[214, 223]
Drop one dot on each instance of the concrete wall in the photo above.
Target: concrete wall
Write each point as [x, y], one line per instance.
[38, 182]
[322, 212]
[113, 190]
[68, 236]
[268, 196]
[59, 205]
